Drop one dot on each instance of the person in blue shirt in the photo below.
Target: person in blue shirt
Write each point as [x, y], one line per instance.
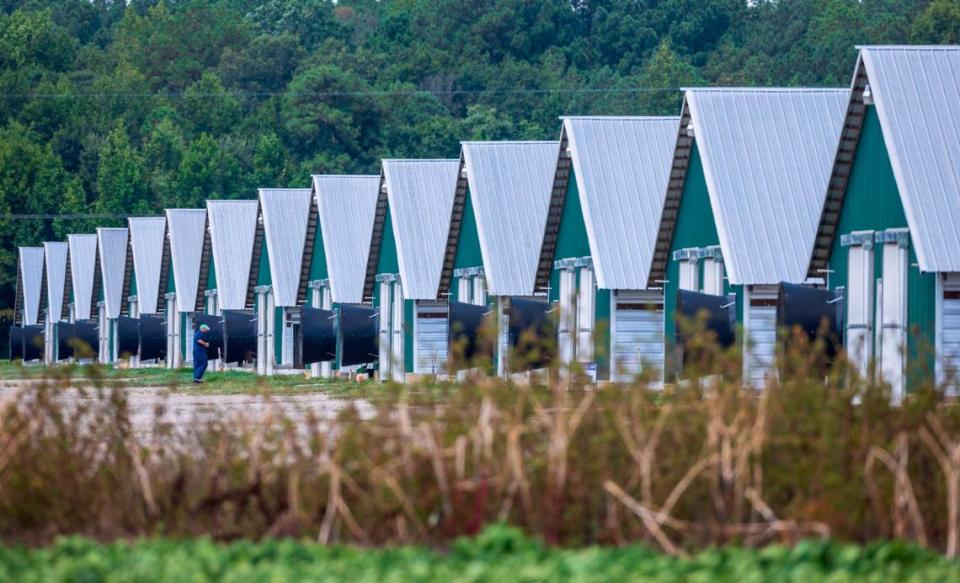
[200, 345]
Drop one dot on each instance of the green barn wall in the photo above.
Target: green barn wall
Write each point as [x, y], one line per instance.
[277, 334]
[468, 245]
[212, 275]
[318, 262]
[133, 285]
[389, 263]
[695, 227]
[872, 203]
[171, 285]
[573, 242]
[263, 270]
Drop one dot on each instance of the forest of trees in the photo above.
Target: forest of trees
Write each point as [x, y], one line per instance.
[116, 107]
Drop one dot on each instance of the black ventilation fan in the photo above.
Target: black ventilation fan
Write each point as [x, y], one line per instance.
[816, 312]
[720, 317]
[16, 343]
[85, 339]
[65, 334]
[358, 334]
[318, 330]
[530, 334]
[463, 330]
[153, 337]
[32, 343]
[128, 336]
[239, 336]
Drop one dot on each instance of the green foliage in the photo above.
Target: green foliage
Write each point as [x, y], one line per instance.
[499, 553]
[218, 97]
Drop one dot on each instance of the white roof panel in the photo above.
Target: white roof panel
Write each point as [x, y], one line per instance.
[286, 215]
[112, 246]
[31, 281]
[767, 156]
[146, 241]
[346, 205]
[55, 266]
[510, 185]
[233, 228]
[915, 91]
[622, 165]
[83, 273]
[420, 194]
[185, 228]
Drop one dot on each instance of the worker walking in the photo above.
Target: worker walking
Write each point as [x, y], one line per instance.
[200, 345]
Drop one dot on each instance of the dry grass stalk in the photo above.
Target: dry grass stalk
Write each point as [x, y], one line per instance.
[906, 516]
[947, 453]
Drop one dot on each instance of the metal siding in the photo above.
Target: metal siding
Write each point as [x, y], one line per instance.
[420, 195]
[915, 90]
[621, 166]
[146, 240]
[950, 343]
[233, 227]
[112, 247]
[31, 277]
[762, 336]
[638, 334]
[55, 266]
[431, 340]
[347, 205]
[83, 267]
[767, 157]
[510, 185]
[286, 212]
[186, 228]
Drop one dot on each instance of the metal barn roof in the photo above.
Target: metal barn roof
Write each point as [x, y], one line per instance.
[286, 213]
[83, 273]
[146, 242]
[622, 165]
[55, 268]
[346, 205]
[186, 229]
[31, 283]
[420, 194]
[233, 228]
[510, 185]
[112, 247]
[916, 93]
[767, 156]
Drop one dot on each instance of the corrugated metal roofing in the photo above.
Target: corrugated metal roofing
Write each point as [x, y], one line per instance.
[346, 205]
[146, 240]
[622, 165]
[767, 156]
[916, 93]
[186, 229]
[55, 267]
[233, 227]
[112, 246]
[286, 212]
[31, 281]
[420, 194]
[83, 273]
[510, 185]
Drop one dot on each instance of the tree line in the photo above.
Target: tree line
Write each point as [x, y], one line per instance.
[131, 107]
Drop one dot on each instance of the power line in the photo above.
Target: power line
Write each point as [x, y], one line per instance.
[370, 93]
[66, 217]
